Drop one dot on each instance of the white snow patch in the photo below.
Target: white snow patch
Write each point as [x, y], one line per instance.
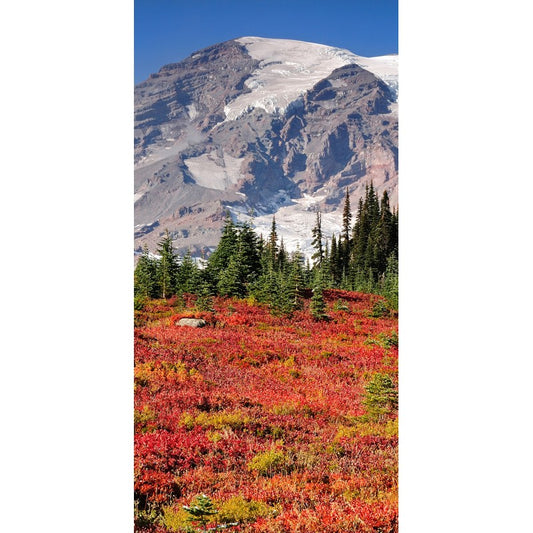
[294, 223]
[384, 67]
[214, 172]
[288, 68]
[192, 111]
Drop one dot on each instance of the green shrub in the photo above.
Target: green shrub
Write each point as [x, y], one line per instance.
[238, 509]
[379, 309]
[139, 301]
[268, 463]
[176, 519]
[381, 396]
[341, 305]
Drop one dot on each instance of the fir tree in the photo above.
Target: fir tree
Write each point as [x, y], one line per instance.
[318, 255]
[336, 267]
[272, 245]
[318, 303]
[201, 512]
[230, 282]
[296, 281]
[248, 254]
[385, 239]
[219, 259]
[145, 276]
[188, 276]
[282, 260]
[167, 266]
[345, 245]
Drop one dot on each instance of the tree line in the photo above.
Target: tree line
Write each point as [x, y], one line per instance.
[363, 257]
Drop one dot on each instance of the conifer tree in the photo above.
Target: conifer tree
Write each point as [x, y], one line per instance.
[227, 246]
[295, 282]
[318, 303]
[145, 282]
[282, 259]
[318, 255]
[272, 245]
[230, 281]
[248, 253]
[336, 266]
[188, 276]
[384, 240]
[201, 512]
[345, 245]
[167, 266]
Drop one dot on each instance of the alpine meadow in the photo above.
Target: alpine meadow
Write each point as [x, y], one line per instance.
[266, 291]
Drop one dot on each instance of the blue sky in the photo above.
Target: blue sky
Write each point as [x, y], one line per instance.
[167, 31]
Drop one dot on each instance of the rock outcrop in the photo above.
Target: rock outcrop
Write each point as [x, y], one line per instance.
[262, 125]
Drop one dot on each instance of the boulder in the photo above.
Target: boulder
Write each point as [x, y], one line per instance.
[191, 322]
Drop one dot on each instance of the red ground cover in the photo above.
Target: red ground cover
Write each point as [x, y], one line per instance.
[267, 416]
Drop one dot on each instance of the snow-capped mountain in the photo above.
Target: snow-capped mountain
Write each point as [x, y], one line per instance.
[269, 126]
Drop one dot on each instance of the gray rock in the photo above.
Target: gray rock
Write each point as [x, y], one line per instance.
[340, 134]
[192, 322]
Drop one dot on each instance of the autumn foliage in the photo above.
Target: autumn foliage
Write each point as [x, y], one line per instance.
[285, 424]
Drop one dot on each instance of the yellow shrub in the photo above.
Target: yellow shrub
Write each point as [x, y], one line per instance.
[238, 509]
[175, 519]
[221, 420]
[268, 463]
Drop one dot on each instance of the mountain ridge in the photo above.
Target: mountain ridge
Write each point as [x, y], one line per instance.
[201, 147]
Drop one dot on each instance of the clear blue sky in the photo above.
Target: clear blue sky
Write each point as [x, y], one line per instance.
[167, 31]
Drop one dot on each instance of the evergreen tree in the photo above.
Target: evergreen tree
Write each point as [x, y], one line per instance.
[390, 281]
[145, 280]
[201, 512]
[282, 259]
[272, 245]
[318, 303]
[333, 262]
[204, 302]
[318, 255]
[296, 281]
[167, 266]
[385, 239]
[230, 282]
[248, 254]
[345, 245]
[219, 259]
[188, 276]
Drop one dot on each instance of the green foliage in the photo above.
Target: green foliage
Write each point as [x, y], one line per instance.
[268, 463]
[201, 511]
[230, 282]
[176, 519]
[147, 517]
[187, 276]
[317, 243]
[204, 302]
[139, 301]
[318, 303]
[145, 282]
[238, 509]
[384, 340]
[379, 309]
[167, 266]
[381, 398]
[363, 258]
[341, 305]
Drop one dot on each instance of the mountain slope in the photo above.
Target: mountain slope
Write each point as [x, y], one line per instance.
[272, 126]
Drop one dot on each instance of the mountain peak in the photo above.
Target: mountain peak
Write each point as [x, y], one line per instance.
[262, 125]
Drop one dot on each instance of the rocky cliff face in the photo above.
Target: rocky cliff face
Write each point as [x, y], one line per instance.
[264, 125]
